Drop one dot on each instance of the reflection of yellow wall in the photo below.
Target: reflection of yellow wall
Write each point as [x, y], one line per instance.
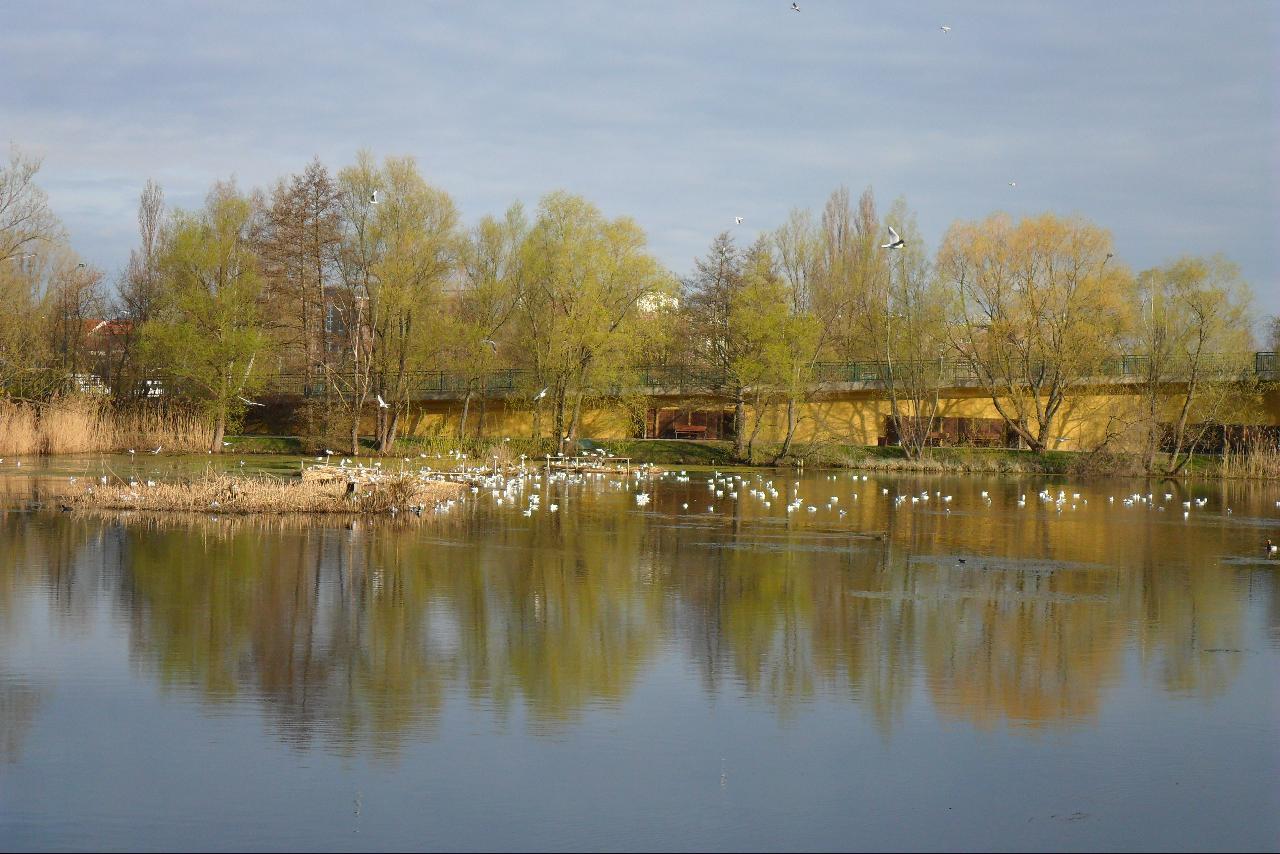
[857, 417]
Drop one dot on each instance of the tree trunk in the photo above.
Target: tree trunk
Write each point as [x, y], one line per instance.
[466, 411]
[575, 419]
[755, 430]
[791, 433]
[739, 427]
[355, 434]
[388, 438]
[219, 429]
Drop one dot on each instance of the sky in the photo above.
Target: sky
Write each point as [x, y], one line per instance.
[1159, 121]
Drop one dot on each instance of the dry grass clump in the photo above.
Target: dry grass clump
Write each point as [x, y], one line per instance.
[223, 494]
[19, 432]
[1259, 462]
[81, 425]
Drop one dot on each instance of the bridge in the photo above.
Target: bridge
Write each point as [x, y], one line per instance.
[688, 380]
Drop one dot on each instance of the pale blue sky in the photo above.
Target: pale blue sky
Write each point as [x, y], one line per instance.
[1157, 120]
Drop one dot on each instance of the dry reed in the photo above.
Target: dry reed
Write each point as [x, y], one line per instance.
[79, 425]
[223, 494]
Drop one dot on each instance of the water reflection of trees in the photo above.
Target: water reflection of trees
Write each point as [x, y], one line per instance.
[359, 637]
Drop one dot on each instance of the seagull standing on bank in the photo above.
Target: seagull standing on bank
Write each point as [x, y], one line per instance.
[895, 242]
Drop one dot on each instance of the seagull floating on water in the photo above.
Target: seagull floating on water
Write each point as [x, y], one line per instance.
[895, 241]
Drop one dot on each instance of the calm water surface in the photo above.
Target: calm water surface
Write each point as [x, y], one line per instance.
[623, 676]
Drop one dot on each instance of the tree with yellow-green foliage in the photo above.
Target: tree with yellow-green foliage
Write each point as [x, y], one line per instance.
[584, 280]
[207, 338]
[1196, 315]
[1038, 309]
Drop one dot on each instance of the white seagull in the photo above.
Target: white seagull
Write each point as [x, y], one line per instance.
[250, 402]
[795, 8]
[540, 395]
[1013, 183]
[895, 242]
[945, 28]
[738, 220]
[373, 197]
[382, 404]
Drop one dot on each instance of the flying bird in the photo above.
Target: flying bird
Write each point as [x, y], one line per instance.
[250, 402]
[540, 395]
[945, 28]
[373, 197]
[492, 344]
[795, 8]
[895, 241]
[738, 220]
[382, 404]
[1013, 183]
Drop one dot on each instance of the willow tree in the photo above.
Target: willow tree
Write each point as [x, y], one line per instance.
[584, 278]
[1038, 309]
[915, 343]
[206, 338]
[30, 235]
[1195, 336]
[416, 229]
[809, 319]
[483, 305]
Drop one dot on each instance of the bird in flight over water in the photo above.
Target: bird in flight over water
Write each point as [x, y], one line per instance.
[945, 28]
[795, 8]
[895, 241]
[738, 220]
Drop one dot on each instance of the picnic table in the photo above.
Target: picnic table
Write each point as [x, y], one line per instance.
[689, 431]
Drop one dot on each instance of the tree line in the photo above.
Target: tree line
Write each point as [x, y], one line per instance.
[346, 286]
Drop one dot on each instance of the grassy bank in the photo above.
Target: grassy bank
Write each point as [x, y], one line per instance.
[79, 425]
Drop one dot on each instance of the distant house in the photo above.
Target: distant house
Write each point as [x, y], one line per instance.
[103, 344]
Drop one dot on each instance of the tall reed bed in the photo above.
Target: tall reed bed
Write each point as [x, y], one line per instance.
[78, 425]
[1255, 461]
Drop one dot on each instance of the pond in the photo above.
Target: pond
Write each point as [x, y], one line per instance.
[915, 662]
